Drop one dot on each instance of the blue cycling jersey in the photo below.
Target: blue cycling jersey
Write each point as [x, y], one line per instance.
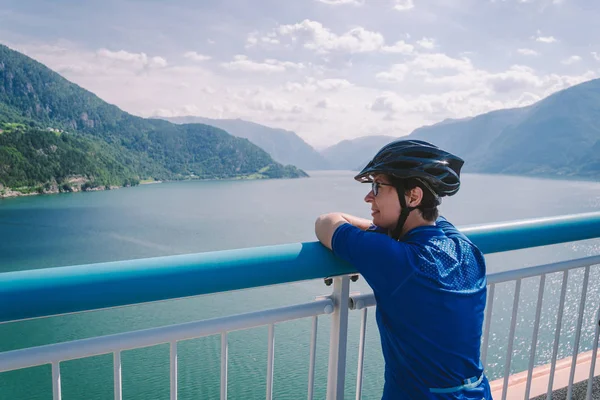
[430, 289]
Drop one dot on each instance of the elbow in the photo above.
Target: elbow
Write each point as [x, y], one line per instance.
[323, 228]
[322, 219]
[320, 222]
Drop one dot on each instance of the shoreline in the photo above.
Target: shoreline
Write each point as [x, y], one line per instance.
[149, 183]
[8, 193]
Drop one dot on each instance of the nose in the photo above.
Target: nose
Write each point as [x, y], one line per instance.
[369, 197]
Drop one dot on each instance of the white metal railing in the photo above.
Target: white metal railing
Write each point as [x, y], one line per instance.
[542, 271]
[362, 301]
[338, 305]
[56, 353]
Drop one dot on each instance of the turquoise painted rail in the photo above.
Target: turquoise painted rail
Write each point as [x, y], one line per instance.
[53, 291]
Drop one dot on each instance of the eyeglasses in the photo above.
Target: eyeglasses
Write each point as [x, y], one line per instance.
[375, 187]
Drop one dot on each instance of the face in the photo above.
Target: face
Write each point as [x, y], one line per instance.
[385, 207]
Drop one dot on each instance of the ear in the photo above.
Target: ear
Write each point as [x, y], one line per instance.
[415, 197]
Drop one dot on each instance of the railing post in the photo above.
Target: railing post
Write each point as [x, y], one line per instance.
[595, 344]
[338, 339]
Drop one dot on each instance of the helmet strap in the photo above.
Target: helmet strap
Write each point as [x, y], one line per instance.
[404, 212]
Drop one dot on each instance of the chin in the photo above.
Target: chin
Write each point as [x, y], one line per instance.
[377, 221]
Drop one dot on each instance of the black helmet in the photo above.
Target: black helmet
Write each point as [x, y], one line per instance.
[438, 169]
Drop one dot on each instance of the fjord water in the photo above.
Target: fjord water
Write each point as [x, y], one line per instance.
[195, 216]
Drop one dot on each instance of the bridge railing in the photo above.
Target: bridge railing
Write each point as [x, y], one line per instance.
[52, 291]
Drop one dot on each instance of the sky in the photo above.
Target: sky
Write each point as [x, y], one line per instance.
[328, 70]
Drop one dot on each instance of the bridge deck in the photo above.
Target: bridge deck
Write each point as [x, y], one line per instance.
[539, 383]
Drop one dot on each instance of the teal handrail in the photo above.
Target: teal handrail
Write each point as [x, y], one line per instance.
[53, 291]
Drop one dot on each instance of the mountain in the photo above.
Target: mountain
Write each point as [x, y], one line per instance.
[557, 136]
[473, 137]
[284, 146]
[350, 154]
[102, 143]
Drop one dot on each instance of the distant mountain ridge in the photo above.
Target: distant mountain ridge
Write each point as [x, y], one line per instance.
[105, 145]
[472, 138]
[558, 136]
[284, 146]
[349, 154]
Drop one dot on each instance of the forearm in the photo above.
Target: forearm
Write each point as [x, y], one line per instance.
[360, 223]
[326, 225]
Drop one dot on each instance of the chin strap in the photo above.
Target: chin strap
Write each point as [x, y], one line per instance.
[396, 233]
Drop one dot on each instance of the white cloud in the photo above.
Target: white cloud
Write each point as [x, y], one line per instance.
[395, 74]
[274, 105]
[528, 98]
[312, 85]
[506, 84]
[322, 103]
[436, 107]
[426, 66]
[403, 5]
[158, 62]
[243, 63]
[528, 52]
[596, 56]
[317, 37]
[252, 40]
[389, 103]
[328, 105]
[123, 55]
[333, 84]
[187, 109]
[426, 43]
[285, 64]
[435, 61]
[314, 36]
[458, 88]
[571, 60]
[269, 40]
[544, 39]
[399, 47]
[137, 60]
[515, 78]
[463, 103]
[297, 87]
[192, 55]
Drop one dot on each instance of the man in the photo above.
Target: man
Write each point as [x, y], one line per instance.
[428, 279]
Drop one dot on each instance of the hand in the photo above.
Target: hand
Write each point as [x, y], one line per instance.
[326, 225]
[360, 223]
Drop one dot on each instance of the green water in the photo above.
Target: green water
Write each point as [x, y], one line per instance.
[190, 217]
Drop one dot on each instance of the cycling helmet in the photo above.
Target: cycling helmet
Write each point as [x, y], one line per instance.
[416, 159]
[436, 169]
